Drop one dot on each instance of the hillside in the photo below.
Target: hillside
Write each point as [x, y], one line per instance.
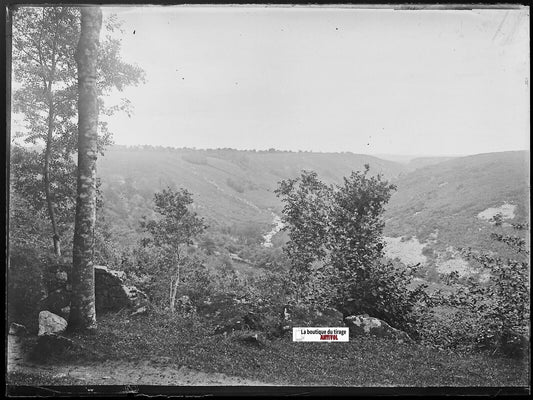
[230, 187]
[413, 162]
[439, 206]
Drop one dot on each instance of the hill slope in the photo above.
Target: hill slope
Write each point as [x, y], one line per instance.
[446, 206]
[436, 205]
[229, 186]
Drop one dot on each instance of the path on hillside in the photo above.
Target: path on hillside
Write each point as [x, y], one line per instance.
[159, 372]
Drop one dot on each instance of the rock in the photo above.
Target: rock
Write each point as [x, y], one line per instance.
[141, 310]
[112, 293]
[56, 301]
[363, 325]
[17, 329]
[51, 323]
[256, 339]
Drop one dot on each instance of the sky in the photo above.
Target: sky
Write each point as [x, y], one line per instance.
[374, 81]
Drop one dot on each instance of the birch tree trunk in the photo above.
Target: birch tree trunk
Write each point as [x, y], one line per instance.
[82, 312]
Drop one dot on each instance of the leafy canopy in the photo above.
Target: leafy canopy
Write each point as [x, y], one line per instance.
[45, 96]
[335, 247]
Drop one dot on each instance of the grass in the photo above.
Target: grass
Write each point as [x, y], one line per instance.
[360, 362]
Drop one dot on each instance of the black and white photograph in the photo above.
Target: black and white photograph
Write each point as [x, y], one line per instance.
[267, 199]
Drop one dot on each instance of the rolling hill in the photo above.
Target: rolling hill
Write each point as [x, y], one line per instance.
[229, 187]
[443, 207]
[434, 212]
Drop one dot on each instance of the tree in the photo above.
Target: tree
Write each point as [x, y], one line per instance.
[44, 44]
[356, 230]
[171, 234]
[305, 215]
[82, 312]
[336, 251]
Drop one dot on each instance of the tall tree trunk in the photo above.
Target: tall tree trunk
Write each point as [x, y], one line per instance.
[49, 137]
[83, 313]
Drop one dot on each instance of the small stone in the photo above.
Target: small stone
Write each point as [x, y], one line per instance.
[17, 329]
[141, 310]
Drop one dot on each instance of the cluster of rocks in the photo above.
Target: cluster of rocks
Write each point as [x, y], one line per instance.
[113, 292]
[360, 325]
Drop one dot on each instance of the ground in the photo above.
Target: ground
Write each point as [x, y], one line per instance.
[155, 349]
[158, 371]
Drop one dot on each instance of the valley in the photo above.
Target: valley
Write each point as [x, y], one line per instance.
[441, 204]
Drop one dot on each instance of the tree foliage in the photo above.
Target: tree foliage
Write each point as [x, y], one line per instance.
[170, 235]
[305, 214]
[335, 247]
[45, 95]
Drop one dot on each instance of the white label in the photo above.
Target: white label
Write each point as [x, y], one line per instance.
[306, 334]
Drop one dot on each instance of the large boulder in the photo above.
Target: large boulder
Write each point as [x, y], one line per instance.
[112, 293]
[364, 325]
[50, 323]
[113, 290]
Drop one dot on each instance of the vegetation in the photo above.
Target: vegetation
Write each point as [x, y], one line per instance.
[366, 362]
[499, 308]
[45, 40]
[221, 299]
[44, 47]
[336, 250]
[169, 237]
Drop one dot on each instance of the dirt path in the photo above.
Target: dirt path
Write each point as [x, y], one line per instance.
[155, 372]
